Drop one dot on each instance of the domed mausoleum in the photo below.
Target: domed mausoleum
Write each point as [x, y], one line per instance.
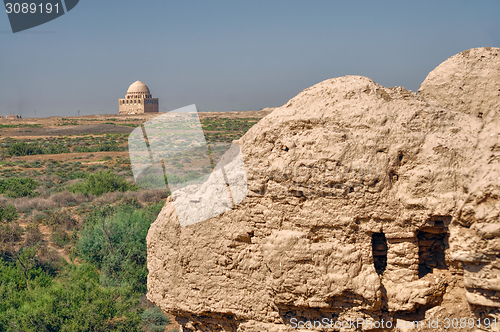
[138, 100]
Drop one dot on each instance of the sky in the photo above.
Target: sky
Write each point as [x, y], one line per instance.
[228, 55]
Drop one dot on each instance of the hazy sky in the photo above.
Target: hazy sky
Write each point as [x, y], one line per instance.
[228, 55]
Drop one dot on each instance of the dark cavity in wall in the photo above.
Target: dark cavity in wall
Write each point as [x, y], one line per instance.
[379, 251]
[432, 243]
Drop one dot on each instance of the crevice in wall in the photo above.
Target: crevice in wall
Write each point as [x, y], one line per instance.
[379, 252]
[432, 243]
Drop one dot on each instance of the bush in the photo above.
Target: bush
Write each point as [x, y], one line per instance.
[27, 204]
[39, 217]
[102, 182]
[152, 195]
[18, 187]
[29, 149]
[76, 303]
[131, 201]
[105, 147]
[8, 213]
[49, 260]
[69, 199]
[60, 238]
[24, 149]
[33, 235]
[114, 240]
[154, 320]
[56, 149]
[60, 218]
[10, 234]
[109, 198]
[76, 175]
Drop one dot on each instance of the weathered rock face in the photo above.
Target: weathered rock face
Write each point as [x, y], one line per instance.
[363, 202]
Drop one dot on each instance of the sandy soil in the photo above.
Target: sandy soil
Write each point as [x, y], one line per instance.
[87, 156]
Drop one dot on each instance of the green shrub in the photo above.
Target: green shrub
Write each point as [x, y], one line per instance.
[154, 320]
[100, 183]
[8, 213]
[76, 175]
[24, 149]
[29, 149]
[104, 147]
[18, 187]
[60, 238]
[56, 149]
[74, 302]
[114, 240]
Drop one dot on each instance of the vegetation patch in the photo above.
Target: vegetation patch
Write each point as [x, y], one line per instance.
[8, 213]
[18, 187]
[88, 212]
[29, 149]
[102, 182]
[25, 125]
[116, 244]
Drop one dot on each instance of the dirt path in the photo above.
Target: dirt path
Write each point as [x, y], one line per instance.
[87, 156]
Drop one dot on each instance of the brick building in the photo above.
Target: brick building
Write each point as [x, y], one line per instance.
[138, 100]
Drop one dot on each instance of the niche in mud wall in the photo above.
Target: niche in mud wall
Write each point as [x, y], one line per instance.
[379, 252]
[432, 243]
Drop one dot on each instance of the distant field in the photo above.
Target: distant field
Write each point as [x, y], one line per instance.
[66, 196]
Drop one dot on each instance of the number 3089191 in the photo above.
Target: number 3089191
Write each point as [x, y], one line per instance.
[32, 8]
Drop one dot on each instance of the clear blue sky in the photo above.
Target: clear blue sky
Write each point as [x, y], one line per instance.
[229, 55]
